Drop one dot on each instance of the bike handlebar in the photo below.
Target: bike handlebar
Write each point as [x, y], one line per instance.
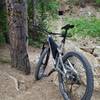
[55, 33]
[66, 27]
[41, 29]
[44, 30]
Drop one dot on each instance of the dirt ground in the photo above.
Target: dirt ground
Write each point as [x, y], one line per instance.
[14, 85]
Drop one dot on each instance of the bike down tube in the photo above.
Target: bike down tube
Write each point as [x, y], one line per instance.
[50, 47]
[61, 52]
[54, 49]
[60, 62]
[58, 69]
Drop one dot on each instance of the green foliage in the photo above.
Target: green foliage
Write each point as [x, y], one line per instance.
[47, 6]
[97, 1]
[44, 11]
[3, 25]
[85, 27]
[72, 2]
[38, 41]
[3, 60]
[2, 39]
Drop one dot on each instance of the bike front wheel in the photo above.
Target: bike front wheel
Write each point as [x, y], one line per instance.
[42, 63]
[77, 86]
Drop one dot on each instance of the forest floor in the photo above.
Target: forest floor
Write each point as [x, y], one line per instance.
[14, 85]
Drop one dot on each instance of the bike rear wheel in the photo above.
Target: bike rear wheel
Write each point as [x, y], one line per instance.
[83, 88]
[42, 63]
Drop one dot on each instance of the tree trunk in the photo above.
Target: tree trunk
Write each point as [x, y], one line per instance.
[34, 34]
[2, 4]
[33, 5]
[82, 3]
[17, 20]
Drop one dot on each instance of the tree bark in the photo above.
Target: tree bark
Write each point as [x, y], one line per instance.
[34, 34]
[33, 5]
[82, 3]
[17, 20]
[2, 4]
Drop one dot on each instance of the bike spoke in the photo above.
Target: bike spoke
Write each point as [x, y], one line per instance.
[75, 67]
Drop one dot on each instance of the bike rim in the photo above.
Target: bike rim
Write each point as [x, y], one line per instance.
[76, 90]
[42, 67]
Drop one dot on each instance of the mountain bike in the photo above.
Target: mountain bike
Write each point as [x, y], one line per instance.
[75, 74]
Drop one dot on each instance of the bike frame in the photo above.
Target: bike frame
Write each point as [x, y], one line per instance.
[57, 55]
[56, 51]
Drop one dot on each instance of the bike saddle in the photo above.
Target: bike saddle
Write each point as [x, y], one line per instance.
[68, 26]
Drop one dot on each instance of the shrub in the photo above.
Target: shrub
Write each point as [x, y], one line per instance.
[98, 2]
[3, 25]
[85, 27]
